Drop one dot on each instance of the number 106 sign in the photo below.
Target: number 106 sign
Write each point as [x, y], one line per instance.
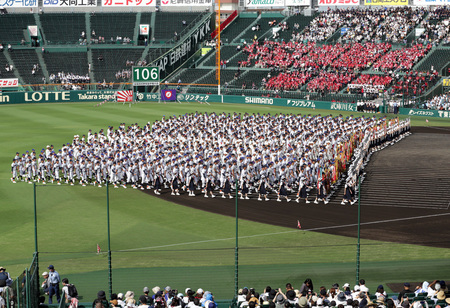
[145, 76]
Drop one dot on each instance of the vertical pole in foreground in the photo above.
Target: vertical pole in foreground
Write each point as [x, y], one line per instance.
[109, 242]
[236, 249]
[218, 49]
[358, 246]
[36, 254]
[35, 220]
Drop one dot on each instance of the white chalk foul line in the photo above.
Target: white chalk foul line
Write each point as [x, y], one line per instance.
[284, 232]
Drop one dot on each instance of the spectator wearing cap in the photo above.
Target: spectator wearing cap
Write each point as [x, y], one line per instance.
[100, 300]
[280, 299]
[146, 290]
[45, 285]
[291, 297]
[53, 280]
[129, 299]
[341, 299]
[166, 293]
[200, 292]
[120, 301]
[406, 290]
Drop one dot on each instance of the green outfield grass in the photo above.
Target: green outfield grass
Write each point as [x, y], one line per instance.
[155, 242]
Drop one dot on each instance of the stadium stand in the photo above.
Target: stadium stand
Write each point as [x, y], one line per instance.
[155, 53]
[14, 26]
[3, 72]
[189, 75]
[68, 62]
[236, 28]
[436, 60]
[63, 28]
[226, 75]
[114, 27]
[169, 23]
[296, 24]
[25, 59]
[264, 26]
[107, 62]
[226, 53]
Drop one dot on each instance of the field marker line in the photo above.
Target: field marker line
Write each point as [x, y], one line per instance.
[284, 232]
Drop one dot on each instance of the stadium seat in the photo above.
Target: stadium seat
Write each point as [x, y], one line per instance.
[56, 33]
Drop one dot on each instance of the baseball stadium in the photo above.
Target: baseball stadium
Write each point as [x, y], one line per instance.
[226, 153]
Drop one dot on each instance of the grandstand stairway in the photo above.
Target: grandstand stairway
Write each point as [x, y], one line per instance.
[408, 174]
[15, 72]
[42, 64]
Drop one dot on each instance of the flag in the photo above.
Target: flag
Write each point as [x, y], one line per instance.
[168, 95]
[124, 96]
[298, 224]
[98, 248]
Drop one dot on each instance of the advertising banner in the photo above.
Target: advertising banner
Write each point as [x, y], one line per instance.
[168, 3]
[124, 96]
[101, 95]
[431, 113]
[144, 29]
[298, 2]
[264, 3]
[446, 82]
[431, 2]
[168, 95]
[18, 3]
[171, 60]
[9, 82]
[69, 3]
[122, 3]
[33, 30]
[386, 2]
[338, 2]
